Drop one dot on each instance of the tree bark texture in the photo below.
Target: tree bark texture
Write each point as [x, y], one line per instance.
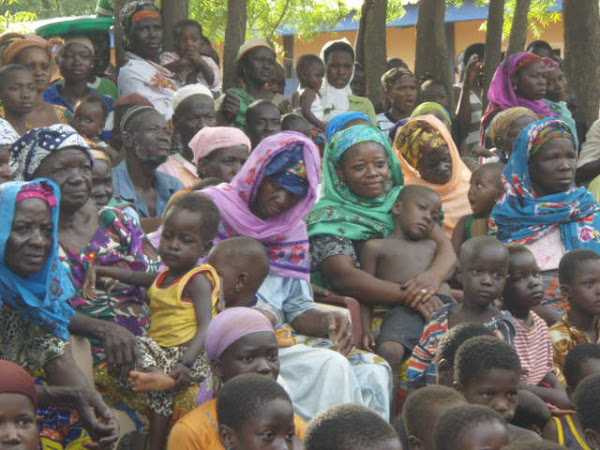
[235, 34]
[119, 45]
[582, 59]
[172, 11]
[518, 31]
[493, 41]
[376, 60]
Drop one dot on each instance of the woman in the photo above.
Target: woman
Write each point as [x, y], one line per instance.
[436, 110]
[34, 53]
[519, 81]
[220, 152]
[35, 291]
[255, 65]
[541, 208]
[429, 157]
[142, 73]
[506, 126]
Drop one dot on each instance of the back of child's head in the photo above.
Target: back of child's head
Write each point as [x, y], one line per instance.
[571, 261]
[182, 25]
[587, 399]
[93, 99]
[7, 71]
[515, 250]
[577, 365]
[201, 204]
[349, 427]
[295, 122]
[453, 428]
[424, 406]
[534, 445]
[393, 75]
[394, 62]
[305, 63]
[473, 248]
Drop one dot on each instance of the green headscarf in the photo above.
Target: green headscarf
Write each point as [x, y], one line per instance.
[342, 213]
[427, 107]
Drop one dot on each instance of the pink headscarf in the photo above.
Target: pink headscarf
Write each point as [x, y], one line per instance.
[209, 139]
[230, 326]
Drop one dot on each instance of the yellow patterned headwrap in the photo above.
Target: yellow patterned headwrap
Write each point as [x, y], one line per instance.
[416, 139]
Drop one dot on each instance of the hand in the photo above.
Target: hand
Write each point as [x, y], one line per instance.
[182, 375]
[422, 287]
[368, 341]
[120, 347]
[473, 70]
[230, 107]
[339, 330]
[97, 419]
[429, 306]
[320, 292]
[89, 284]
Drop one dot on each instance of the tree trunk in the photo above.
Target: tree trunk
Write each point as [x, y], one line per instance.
[432, 52]
[493, 41]
[172, 12]
[118, 31]
[235, 34]
[582, 62]
[376, 63]
[518, 32]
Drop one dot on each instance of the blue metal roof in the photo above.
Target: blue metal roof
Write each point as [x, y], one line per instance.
[469, 11]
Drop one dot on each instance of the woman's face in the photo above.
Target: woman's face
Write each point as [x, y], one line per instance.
[146, 37]
[557, 86]
[531, 81]
[18, 427]
[223, 163]
[365, 170]
[403, 93]
[71, 169]
[38, 61]
[272, 200]
[31, 239]
[339, 68]
[552, 168]
[436, 166]
[260, 63]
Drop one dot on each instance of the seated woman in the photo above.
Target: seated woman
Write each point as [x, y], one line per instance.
[542, 209]
[429, 157]
[436, 110]
[505, 127]
[35, 290]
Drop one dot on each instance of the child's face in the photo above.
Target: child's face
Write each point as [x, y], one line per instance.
[417, 215]
[496, 389]
[18, 92]
[483, 192]
[272, 429]
[403, 93]
[19, 422]
[76, 62]
[524, 286]
[584, 291]
[313, 76]
[102, 188]
[484, 436]
[6, 173]
[182, 242]
[189, 42]
[88, 120]
[484, 276]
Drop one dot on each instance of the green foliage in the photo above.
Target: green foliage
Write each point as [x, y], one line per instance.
[47, 9]
[11, 18]
[539, 17]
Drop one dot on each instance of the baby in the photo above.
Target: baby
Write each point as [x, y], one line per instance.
[310, 70]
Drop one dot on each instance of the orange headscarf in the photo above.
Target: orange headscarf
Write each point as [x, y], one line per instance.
[454, 193]
[18, 45]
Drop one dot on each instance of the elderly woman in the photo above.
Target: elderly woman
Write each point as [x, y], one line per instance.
[142, 73]
[429, 157]
[541, 208]
[506, 126]
[255, 65]
[35, 291]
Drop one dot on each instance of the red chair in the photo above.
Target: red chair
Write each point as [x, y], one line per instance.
[353, 307]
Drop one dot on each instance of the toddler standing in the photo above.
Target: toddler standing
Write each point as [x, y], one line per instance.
[310, 70]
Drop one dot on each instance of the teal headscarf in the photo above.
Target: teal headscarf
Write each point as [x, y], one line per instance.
[342, 213]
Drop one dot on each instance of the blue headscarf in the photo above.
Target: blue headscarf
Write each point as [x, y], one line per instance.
[287, 169]
[523, 218]
[340, 121]
[43, 298]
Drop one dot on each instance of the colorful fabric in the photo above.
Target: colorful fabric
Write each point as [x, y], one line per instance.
[284, 235]
[564, 337]
[534, 349]
[131, 8]
[455, 202]
[522, 217]
[342, 213]
[145, 14]
[178, 167]
[15, 380]
[289, 171]
[28, 153]
[8, 135]
[43, 297]
[503, 120]
[564, 114]
[182, 76]
[342, 120]
[428, 107]
[209, 139]
[9, 55]
[546, 135]
[362, 105]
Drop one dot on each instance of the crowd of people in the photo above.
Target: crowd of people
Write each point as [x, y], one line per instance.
[202, 241]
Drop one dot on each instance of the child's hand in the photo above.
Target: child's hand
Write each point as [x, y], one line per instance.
[340, 331]
[368, 341]
[182, 375]
[473, 70]
[89, 285]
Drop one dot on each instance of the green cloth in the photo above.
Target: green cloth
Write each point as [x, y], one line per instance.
[100, 85]
[427, 107]
[565, 115]
[342, 213]
[363, 105]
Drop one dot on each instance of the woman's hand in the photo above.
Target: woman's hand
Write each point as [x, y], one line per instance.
[89, 285]
[120, 347]
[420, 293]
[368, 341]
[229, 109]
[339, 330]
[182, 376]
[97, 419]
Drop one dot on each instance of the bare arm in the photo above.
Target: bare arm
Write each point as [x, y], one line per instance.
[334, 325]
[203, 67]
[555, 394]
[127, 276]
[306, 100]
[458, 236]
[587, 172]
[369, 256]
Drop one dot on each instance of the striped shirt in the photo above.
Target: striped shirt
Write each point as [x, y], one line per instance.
[534, 348]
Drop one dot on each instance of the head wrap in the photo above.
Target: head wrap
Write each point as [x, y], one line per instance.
[145, 14]
[8, 135]
[130, 9]
[16, 380]
[287, 169]
[340, 212]
[336, 101]
[551, 63]
[251, 44]
[134, 112]
[28, 153]
[502, 121]
[428, 107]
[417, 139]
[43, 298]
[230, 326]
[209, 139]
[341, 120]
[548, 134]
[523, 217]
[82, 40]
[188, 91]
[396, 127]
[18, 45]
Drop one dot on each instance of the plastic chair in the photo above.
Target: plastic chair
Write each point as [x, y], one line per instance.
[353, 308]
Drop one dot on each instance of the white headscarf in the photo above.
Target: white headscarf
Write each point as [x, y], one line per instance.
[335, 101]
[188, 91]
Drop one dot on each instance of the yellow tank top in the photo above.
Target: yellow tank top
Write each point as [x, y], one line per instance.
[173, 321]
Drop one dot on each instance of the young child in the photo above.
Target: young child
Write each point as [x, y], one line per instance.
[255, 413]
[487, 372]
[524, 290]
[422, 410]
[310, 70]
[350, 427]
[8, 136]
[89, 119]
[579, 277]
[276, 84]
[400, 89]
[433, 90]
[191, 62]
[582, 361]
[587, 399]
[17, 94]
[470, 427]
[484, 192]
[483, 268]
[416, 212]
